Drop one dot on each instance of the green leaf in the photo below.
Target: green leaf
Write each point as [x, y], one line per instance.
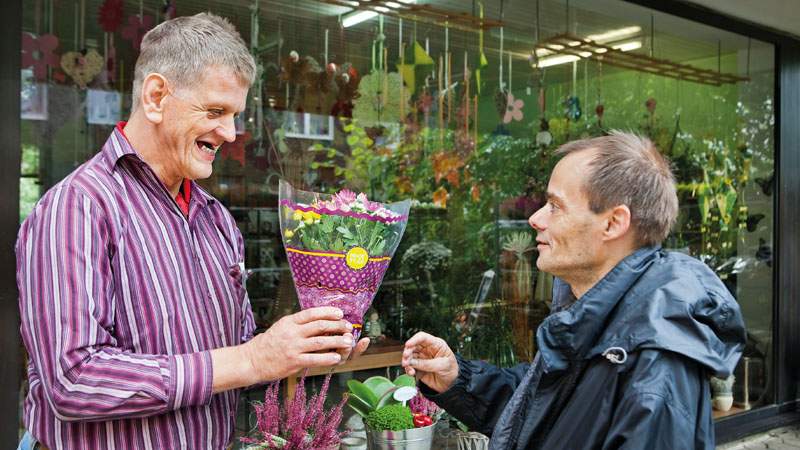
[315, 165]
[352, 140]
[345, 232]
[405, 380]
[388, 398]
[359, 406]
[378, 385]
[359, 390]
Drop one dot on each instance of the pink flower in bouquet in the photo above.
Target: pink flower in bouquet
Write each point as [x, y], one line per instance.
[344, 197]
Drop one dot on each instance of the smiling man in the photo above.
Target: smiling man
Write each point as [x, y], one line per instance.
[624, 358]
[131, 277]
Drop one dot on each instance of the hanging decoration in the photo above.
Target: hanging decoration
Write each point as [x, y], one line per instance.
[347, 80]
[543, 137]
[482, 61]
[82, 67]
[572, 108]
[513, 109]
[379, 99]
[235, 151]
[110, 15]
[39, 53]
[136, 28]
[415, 58]
[169, 10]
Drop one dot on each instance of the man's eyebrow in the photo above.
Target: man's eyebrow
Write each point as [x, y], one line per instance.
[553, 197]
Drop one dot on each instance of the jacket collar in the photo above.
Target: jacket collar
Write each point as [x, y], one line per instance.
[571, 331]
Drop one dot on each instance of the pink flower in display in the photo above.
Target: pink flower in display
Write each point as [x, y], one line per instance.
[136, 28]
[38, 52]
[513, 109]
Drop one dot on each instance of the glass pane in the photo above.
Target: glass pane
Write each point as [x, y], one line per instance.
[342, 106]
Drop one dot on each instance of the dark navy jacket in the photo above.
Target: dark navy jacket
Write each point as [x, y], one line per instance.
[624, 367]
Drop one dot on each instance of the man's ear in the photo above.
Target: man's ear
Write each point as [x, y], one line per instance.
[618, 222]
[154, 93]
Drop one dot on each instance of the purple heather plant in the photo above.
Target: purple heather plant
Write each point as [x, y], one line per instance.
[300, 424]
[420, 404]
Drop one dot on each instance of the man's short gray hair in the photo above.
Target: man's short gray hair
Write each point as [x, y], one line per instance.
[182, 48]
[627, 169]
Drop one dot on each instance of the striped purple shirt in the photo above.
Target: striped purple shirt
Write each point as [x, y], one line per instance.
[121, 297]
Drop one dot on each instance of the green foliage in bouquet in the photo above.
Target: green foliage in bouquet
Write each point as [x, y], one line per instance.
[314, 230]
[391, 417]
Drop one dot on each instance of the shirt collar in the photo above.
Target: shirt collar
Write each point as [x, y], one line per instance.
[117, 147]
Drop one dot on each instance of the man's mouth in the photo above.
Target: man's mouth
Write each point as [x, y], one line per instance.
[206, 147]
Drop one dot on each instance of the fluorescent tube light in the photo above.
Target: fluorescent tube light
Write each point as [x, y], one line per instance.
[356, 17]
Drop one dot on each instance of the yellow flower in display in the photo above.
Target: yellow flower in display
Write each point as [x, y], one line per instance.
[289, 234]
[298, 215]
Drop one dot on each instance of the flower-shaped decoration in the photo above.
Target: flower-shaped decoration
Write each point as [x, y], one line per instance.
[513, 109]
[236, 150]
[110, 15]
[136, 28]
[38, 52]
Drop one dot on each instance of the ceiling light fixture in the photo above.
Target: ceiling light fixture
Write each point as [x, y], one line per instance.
[563, 59]
[354, 18]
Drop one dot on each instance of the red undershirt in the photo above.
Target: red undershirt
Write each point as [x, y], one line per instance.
[185, 191]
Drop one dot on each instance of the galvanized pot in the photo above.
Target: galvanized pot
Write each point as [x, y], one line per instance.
[411, 439]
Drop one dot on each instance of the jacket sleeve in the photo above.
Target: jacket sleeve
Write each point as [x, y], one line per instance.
[479, 394]
[66, 298]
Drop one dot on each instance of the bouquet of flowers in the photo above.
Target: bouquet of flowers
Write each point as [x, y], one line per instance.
[339, 247]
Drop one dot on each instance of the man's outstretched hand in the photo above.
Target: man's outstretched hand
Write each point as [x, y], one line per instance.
[430, 359]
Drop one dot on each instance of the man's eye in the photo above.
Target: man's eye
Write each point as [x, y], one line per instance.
[214, 113]
[553, 206]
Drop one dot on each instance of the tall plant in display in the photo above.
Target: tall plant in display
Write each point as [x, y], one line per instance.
[339, 247]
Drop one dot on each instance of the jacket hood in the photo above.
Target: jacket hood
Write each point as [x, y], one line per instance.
[652, 299]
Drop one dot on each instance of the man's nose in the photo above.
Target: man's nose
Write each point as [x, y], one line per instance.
[227, 129]
[536, 219]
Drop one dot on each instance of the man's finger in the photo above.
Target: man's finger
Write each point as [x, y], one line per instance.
[319, 359]
[317, 343]
[319, 313]
[421, 339]
[435, 365]
[360, 348]
[323, 327]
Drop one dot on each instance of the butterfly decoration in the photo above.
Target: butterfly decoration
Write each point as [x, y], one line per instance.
[764, 252]
[753, 220]
[766, 184]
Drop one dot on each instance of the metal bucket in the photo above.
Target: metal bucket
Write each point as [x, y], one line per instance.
[411, 439]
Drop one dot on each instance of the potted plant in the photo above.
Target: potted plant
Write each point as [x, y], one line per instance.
[395, 415]
[298, 424]
[722, 393]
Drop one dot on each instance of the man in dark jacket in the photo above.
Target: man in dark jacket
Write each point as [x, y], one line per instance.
[635, 332]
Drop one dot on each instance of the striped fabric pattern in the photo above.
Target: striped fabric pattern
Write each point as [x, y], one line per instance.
[121, 298]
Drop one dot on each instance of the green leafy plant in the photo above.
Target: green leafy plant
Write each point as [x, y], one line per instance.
[391, 417]
[375, 393]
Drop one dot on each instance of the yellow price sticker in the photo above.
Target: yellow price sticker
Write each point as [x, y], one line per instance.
[356, 258]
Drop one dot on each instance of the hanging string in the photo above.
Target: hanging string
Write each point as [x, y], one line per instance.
[652, 35]
[501, 43]
[749, 42]
[566, 23]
